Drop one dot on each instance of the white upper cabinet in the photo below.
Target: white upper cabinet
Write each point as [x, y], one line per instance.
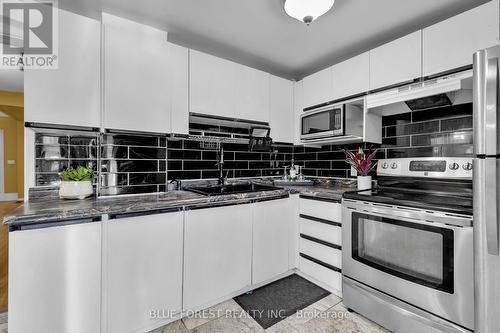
[396, 62]
[223, 88]
[298, 106]
[451, 44]
[136, 76]
[69, 95]
[253, 92]
[351, 77]
[212, 89]
[318, 88]
[179, 88]
[281, 112]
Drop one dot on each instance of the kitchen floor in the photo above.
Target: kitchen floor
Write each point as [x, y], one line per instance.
[327, 315]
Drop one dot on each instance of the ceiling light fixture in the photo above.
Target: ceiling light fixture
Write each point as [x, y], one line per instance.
[307, 10]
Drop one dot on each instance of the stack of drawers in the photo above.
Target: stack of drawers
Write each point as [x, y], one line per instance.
[320, 240]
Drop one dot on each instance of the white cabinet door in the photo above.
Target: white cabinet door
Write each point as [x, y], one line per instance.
[179, 88]
[136, 76]
[212, 85]
[318, 88]
[253, 89]
[142, 271]
[293, 233]
[281, 112]
[217, 254]
[271, 225]
[70, 94]
[396, 62]
[352, 76]
[450, 44]
[298, 106]
[55, 279]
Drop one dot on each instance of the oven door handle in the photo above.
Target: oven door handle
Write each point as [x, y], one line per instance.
[443, 220]
[405, 309]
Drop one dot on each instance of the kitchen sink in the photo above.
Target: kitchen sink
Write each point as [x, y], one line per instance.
[231, 189]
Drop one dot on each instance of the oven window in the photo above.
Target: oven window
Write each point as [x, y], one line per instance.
[419, 253]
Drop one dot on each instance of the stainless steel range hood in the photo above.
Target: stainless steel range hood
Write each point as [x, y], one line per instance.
[443, 91]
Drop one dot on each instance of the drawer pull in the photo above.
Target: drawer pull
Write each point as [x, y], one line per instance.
[321, 263]
[317, 219]
[302, 196]
[322, 242]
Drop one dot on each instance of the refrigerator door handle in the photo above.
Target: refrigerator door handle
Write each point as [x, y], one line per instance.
[486, 90]
[491, 104]
[490, 205]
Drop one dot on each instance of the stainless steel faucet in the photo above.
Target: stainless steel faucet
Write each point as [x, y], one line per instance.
[220, 164]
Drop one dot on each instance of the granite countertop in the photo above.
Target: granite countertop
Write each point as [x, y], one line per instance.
[41, 211]
[325, 189]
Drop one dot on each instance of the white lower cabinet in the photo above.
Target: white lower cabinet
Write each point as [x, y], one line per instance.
[142, 264]
[217, 254]
[320, 240]
[271, 223]
[55, 279]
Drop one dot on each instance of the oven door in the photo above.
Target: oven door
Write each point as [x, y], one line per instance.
[322, 123]
[420, 257]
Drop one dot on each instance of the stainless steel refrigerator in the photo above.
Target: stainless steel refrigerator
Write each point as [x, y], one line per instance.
[486, 191]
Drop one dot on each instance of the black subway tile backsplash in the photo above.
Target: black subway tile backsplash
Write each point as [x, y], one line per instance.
[57, 152]
[142, 164]
[456, 124]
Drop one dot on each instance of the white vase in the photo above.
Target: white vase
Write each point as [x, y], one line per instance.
[364, 183]
[76, 190]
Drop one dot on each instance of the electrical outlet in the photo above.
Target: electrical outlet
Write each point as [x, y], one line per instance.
[354, 172]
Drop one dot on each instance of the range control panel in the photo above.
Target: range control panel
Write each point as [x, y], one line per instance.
[432, 167]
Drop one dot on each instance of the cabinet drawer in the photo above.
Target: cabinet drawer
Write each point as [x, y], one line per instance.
[321, 252]
[322, 209]
[325, 232]
[325, 275]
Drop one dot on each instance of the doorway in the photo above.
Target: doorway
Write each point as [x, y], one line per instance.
[11, 164]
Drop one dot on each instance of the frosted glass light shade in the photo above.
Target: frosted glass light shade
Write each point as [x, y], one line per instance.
[307, 10]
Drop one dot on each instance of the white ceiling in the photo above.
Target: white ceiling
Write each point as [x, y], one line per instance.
[258, 33]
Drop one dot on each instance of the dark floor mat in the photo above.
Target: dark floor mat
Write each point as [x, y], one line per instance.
[274, 302]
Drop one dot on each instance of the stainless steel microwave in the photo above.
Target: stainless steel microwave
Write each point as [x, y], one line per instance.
[327, 121]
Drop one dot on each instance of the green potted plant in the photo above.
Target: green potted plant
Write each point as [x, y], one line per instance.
[363, 163]
[76, 183]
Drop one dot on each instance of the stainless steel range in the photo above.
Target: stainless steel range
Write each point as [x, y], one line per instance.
[408, 246]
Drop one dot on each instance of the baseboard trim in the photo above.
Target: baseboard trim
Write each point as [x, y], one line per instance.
[9, 197]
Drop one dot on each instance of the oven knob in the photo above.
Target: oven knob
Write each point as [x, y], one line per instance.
[454, 166]
[394, 165]
[467, 166]
[385, 165]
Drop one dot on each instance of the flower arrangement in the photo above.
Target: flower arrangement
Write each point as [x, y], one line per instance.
[361, 161]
